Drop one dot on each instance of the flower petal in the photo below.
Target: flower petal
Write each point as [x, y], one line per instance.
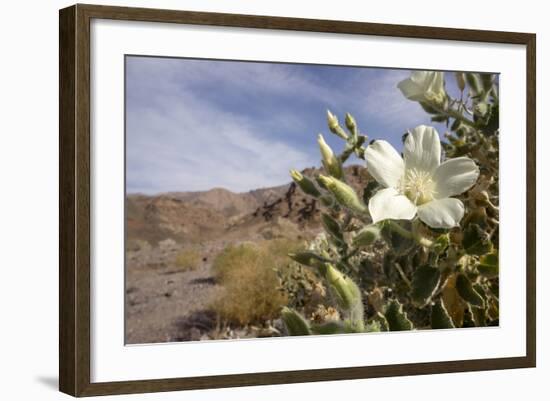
[384, 163]
[389, 204]
[411, 90]
[442, 213]
[454, 177]
[422, 150]
[437, 82]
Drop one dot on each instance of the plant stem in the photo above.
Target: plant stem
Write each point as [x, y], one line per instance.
[402, 274]
[400, 230]
[423, 241]
[415, 235]
[455, 114]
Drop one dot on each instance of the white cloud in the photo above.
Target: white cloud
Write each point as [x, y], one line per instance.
[181, 140]
[208, 148]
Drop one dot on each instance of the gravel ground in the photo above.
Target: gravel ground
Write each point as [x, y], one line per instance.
[164, 303]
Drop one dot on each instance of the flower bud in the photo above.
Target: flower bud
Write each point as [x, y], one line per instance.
[334, 125]
[344, 194]
[295, 323]
[460, 80]
[307, 258]
[346, 291]
[481, 109]
[305, 184]
[350, 122]
[331, 163]
[366, 236]
[474, 82]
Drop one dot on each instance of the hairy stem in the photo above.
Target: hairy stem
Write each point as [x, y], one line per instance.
[415, 235]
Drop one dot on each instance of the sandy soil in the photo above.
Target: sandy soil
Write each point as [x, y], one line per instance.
[164, 303]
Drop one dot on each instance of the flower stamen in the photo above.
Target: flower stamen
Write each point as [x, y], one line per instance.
[418, 186]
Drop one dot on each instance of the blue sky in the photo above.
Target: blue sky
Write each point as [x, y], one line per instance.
[194, 125]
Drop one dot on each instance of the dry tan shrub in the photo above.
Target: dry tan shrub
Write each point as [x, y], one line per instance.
[251, 286]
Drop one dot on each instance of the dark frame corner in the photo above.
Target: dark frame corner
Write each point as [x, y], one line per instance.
[74, 199]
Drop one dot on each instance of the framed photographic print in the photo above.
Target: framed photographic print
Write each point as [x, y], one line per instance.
[250, 200]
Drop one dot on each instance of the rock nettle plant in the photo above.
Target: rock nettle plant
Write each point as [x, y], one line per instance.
[417, 247]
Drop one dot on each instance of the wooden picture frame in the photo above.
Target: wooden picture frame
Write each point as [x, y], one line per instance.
[74, 203]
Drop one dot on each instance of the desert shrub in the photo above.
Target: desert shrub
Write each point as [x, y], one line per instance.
[188, 259]
[136, 245]
[417, 247]
[249, 275]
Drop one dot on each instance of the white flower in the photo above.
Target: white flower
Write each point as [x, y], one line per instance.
[424, 86]
[418, 184]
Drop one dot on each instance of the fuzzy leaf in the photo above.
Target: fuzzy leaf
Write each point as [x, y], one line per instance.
[396, 318]
[354, 326]
[332, 227]
[424, 284]
[330, 327]
[467, 291]
[476, 241]
[428, 109]
[452, 301]
[488, 265]
[479, 316]
[373, 327]
[295, 323]
[440, 318]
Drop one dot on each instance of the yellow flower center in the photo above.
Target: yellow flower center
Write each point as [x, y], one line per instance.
[418, 186]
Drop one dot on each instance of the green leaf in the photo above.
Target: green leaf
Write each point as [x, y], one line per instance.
[332, 227]
[467, 291]
[295, 323]
[455, 125]
[396, 318]
[440, 118]
[354, 326]
[330, 327]
[424, 284]
[479, 316]
[454, 305]
[440, 318]
[488, 265]
[476, 241]
[373, 327]
[428, 109]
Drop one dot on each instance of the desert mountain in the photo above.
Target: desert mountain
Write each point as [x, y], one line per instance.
[206, 215]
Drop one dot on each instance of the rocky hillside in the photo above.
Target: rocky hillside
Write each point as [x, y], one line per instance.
[199, 216]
